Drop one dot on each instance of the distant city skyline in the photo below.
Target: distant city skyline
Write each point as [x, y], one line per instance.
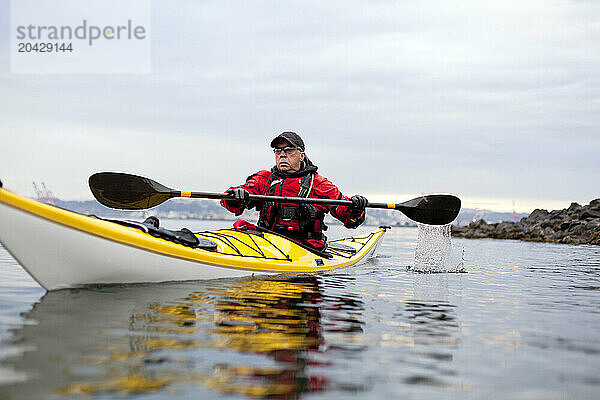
[494, 102]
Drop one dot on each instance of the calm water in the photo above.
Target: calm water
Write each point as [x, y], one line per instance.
[522, 323]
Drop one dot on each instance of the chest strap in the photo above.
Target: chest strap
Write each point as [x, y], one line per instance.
[285, 213]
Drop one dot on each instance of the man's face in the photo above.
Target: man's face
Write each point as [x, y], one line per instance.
[288, 160]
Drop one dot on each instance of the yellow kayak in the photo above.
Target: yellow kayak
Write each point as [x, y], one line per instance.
[62, 249]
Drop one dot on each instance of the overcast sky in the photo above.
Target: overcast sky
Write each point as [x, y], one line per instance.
[493, 101]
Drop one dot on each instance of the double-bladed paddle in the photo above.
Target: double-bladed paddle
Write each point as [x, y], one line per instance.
[132, 192]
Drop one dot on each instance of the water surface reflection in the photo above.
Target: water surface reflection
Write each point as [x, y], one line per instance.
[257, 337]
[522, 323]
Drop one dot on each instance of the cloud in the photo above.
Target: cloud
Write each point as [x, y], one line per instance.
[496, 99]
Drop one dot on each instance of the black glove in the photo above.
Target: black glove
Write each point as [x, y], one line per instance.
[359, 202]
[240, 195]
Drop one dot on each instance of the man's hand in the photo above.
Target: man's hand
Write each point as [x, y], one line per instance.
[359, 202]
[240, 195]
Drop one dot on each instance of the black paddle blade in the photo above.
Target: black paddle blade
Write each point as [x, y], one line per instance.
[126, 191]
[434, 209]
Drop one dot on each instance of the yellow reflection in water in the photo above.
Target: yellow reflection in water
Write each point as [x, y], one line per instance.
[279, 318]
[128, 384]
[231, 379]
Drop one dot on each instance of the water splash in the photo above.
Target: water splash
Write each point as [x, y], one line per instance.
[434, 252]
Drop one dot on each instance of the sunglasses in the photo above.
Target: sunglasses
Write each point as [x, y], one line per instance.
[287, 149]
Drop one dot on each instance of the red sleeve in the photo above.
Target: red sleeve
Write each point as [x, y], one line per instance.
[324, 189]
[255, 184]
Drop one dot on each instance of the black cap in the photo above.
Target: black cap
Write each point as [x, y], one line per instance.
[291, 137]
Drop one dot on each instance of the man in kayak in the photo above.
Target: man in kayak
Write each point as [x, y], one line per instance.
[294, 175]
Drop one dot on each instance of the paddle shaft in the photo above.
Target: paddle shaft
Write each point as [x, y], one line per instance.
[132, 192]
[279, 199]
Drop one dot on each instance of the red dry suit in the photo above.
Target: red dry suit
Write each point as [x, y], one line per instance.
[303, 223]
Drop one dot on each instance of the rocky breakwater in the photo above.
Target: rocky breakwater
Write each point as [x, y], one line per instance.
[574, 225]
